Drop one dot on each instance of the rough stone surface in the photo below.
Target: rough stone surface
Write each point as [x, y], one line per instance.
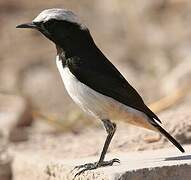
[167, 164]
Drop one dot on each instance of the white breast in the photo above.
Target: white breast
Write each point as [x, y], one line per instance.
[96, 104]
[89, 100]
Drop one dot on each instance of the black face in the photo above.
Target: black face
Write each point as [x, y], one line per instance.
[56, 30]
[71, 37]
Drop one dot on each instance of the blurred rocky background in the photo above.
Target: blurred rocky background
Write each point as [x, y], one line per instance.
[149, 42]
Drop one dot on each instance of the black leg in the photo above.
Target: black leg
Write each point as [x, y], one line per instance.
[110, 128]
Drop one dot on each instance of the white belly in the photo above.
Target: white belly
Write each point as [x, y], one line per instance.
[98, 105]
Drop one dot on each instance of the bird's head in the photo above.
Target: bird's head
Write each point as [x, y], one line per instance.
[60, 26]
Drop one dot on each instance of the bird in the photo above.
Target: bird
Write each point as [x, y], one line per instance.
[92, 81]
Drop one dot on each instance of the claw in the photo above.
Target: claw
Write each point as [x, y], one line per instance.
[78, 167]
[91, 166]
[82, 171]
[88, 166]
[85, 165]
[81, 166]
[116, 160]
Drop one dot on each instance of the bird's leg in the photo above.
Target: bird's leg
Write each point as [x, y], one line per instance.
[110, 128]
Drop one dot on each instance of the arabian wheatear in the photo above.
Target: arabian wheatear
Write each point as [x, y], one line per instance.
[92, 80]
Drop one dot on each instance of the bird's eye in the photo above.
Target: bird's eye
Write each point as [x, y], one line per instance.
[50, 25]
[38, 23]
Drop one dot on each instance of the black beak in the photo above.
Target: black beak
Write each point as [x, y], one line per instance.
[27, 25]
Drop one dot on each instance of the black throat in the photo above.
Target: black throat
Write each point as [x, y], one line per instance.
[77, 48]
[76, 43]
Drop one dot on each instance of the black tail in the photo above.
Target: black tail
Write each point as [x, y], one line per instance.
[168, 136]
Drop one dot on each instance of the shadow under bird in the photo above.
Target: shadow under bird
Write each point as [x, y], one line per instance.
[92, 80]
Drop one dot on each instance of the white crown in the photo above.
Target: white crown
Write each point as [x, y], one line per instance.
[58, 14]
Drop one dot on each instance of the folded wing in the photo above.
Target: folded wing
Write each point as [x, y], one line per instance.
[102, 76]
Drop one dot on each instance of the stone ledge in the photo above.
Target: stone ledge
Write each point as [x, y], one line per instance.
[168, 164]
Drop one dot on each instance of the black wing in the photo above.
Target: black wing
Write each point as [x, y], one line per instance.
[101, 75]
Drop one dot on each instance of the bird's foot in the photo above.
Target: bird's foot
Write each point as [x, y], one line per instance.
[95, 165]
